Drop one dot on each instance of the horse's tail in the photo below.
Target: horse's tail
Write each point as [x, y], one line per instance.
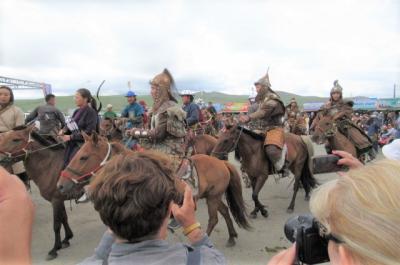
[307, 177]
[234, 198]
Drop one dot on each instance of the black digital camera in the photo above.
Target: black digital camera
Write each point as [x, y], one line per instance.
[311, 247]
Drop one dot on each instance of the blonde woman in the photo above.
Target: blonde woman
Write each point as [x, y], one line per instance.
[362, 210]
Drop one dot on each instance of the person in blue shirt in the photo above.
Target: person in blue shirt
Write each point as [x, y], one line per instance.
[192, 109]
[133, 112]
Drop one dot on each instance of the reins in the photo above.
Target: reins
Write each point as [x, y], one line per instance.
[25, 151]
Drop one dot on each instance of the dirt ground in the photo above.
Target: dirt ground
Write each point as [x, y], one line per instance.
[253, 247]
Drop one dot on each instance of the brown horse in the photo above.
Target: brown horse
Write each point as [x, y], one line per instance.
[201, 144]
[216, 177]
[43, 162]
[326, 131]
[249, 147]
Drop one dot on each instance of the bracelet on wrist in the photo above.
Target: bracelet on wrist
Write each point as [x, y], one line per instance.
[191, 228]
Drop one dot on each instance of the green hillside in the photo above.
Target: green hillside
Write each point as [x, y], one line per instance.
[66, 103]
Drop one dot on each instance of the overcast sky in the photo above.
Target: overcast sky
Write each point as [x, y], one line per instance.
[207, 45]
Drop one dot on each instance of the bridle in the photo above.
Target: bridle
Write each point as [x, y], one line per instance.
[224, 155]
[24, 151]
[82, 176]
[329, 133]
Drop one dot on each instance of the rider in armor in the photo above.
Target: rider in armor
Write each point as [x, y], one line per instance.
[292, 115]
[269, 116]
[167, 131]
[341, 111]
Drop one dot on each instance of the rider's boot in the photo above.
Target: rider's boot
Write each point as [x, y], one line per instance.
[285, 170]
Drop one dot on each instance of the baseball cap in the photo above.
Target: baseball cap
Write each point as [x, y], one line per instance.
[130, 94]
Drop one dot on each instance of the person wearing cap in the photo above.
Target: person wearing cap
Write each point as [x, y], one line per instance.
[269, 117]
[133, 112]
[110, 113]
[192, 109]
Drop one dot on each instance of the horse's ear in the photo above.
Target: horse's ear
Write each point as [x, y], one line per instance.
[95, 137]
[85, 136]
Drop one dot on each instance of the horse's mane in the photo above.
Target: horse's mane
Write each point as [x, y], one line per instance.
[251, 133]
[43, 141]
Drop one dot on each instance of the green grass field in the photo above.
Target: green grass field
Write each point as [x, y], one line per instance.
[66, 103]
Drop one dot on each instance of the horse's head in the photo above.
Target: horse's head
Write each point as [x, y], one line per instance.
[14, 143]
[324, 129]
[90, 158]
[227, 141]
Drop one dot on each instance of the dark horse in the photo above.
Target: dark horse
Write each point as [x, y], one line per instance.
[249, 147]
[326, 131]
[43, 162]
[216, 178]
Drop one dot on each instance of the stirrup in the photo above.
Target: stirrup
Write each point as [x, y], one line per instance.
[83, 199]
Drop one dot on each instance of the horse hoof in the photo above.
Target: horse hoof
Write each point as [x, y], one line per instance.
[65, 244]
[51, 256]
[289, 210]
[253, 215]
[264, 213]
[231, 242]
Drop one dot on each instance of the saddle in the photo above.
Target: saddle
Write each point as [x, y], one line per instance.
[187, 172]
[356, 135]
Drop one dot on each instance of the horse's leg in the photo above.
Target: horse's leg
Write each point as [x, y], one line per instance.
[297, 175]
[223, 209]
[259, 183]
[67, 228]
[213, 205]
[57, 205]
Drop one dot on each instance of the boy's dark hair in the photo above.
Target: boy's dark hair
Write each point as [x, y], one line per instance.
[48, 97]
[132, 194]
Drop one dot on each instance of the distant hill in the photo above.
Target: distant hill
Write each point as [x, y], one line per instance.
[66, 103]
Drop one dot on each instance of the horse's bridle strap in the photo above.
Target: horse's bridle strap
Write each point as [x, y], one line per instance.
[80, 175]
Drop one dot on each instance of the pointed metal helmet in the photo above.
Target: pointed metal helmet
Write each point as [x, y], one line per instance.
[165, 82]
[336, 87]
[264, 81]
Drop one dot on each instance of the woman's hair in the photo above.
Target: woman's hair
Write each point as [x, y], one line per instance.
[11, 94]
[362, 209]
[132, 194]
[85, 93]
